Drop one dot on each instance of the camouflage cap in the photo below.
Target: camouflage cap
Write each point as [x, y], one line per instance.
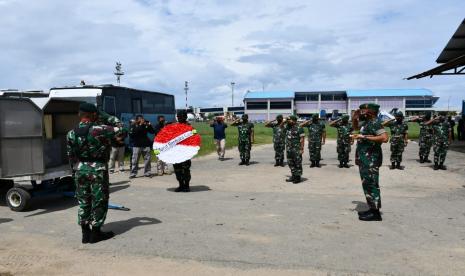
[371, 106]
[182, 113]
[87, 107]
[293, 118]
[442, 113]
[279, 117]
[315, 116]
[399, 114]
[245, 116]
[345, 117]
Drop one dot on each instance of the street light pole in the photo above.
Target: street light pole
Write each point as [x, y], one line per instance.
[186, 88]
[232, 93]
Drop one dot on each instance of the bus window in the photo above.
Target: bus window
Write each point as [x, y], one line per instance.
[136, 106]
[109, 105]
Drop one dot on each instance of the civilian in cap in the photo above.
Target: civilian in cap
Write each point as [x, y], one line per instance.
[369, 156]
[219, 136]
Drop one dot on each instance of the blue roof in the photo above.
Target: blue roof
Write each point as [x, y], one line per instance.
[389, 93]
[269, 95]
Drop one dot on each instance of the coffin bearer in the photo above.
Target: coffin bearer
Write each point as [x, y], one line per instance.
[88, 148]
[295, 143]
[316, 138]
[142, 146]
[399, 138]
[219, 136]
[441, 139]
[279, 139]
[369, 156]
[344, 141]
[425, 139]
[246, 138]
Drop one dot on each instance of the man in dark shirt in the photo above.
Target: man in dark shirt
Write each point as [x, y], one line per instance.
[461, 129]
[219, 136]
[142, 145]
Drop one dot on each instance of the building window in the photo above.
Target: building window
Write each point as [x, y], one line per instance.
[301, 97]
[257, 105]
[136, 106]
[327, 97]
[109, 105]
[340, 97]
[312, 98]
[427, 103]
[280, 105]
[306, 97]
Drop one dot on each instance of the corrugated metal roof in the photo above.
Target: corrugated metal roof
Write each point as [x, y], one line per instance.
[389, 93]
[269, 95]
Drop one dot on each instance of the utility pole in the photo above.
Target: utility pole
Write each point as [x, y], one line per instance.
[118, 73]
[186, 88]
[232, 93]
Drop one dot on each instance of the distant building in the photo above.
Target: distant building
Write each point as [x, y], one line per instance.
[261, 106]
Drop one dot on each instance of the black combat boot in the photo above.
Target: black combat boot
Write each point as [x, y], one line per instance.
[341, 164]
[399, 167]
[186, 188]
[393, 166]
[180, 188]
[372, 215]
[85, 233]
[422, 160]
[442, 167]
[97, 235]
[242, 162]
[346, 165]
[317, 164]
[364, 213]
[427, 160]
[277, 163]
[436, 166]
[281, 163]
[290, 179]
[312, 165]
[296, 179]
[247, 162]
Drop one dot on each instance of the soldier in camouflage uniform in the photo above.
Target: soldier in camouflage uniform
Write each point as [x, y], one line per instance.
[295, 141]
[279, 139]
[183, 170]
[316, 138]
[425, 139]
[246, 138]
[344, 141]
[399, 139]
[88, 148]
[369, 156]
[441, 140]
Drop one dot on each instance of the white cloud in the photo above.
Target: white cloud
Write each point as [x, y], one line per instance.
[289, 45]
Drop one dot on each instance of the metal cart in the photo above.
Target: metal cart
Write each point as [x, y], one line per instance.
[33, 160]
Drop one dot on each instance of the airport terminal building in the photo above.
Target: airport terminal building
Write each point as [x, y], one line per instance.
[262, 106]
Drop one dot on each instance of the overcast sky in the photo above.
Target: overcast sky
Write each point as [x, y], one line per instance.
[275, 45]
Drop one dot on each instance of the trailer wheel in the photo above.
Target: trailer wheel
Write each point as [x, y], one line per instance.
[18, 199]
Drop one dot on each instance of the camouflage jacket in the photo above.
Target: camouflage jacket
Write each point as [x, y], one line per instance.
[369, 153]
[315, 131]
[279, 133]
[398, 130]
[89, 148]
[343, 132]
[441, 131]
[426, 131]
[245, 130]
[293, 135]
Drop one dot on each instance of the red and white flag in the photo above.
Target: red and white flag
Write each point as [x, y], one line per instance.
[176, 143]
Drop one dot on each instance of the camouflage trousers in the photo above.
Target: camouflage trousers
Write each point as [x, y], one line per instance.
[440, 151]
[92, 193]
[279, 151]
[370, 183]
[314, 148]
[343, 151]
[425, 144]
[183, 171]
[397, 148]
[244, 150]
[294, 160]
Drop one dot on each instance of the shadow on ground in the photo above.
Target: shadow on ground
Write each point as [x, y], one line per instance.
[199, 188]
[122, 226]
[5, 220]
